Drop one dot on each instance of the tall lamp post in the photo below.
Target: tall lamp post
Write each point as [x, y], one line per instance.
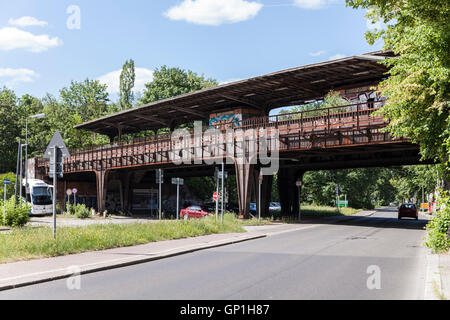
[36, 116]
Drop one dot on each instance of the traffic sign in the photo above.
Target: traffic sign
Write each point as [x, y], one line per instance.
[6, 181]
[215, 196]
[74, 190]
[219, 174]
[159, 176]
[338, 190]
[343, 203]
[57, 141]
[179, 181]
[69, 192]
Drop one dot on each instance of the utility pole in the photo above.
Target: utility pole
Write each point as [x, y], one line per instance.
[17, 185]
[217, 192]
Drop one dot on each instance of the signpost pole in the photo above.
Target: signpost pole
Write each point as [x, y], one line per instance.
[159, 193]
[223, 183]
[217, 191]
[4, 205]
[178, 196]
[55, 157]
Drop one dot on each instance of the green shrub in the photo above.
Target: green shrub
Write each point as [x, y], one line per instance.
[16, 215]
[82, 212]
[70, 208]
[437, 238]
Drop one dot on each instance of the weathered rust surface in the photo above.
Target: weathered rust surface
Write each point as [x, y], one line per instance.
[350, 126]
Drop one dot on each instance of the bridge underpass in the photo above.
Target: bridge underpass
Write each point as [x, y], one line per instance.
[245, 135]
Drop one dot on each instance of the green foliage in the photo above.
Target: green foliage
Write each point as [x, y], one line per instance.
[170, 82]
[127, 77]
[10, 187]
[418, 86]
[70, 209]
[16, 215]
[82, 212]
[438, 238]
[409, 181]
[9, 130]
[331, 99]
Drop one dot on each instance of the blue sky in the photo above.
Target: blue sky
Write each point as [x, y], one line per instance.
[223, 39]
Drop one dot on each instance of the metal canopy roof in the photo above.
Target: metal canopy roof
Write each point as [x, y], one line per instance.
[283, 88]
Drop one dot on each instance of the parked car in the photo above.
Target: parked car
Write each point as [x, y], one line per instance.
[193, 212]
[408, 210]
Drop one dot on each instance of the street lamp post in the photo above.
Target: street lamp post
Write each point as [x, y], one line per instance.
[36, 116]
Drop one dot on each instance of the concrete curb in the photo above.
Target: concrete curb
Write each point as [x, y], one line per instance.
[368, 214]
[433, 283]
[58, 274]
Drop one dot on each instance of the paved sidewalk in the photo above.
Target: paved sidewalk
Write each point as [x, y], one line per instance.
[438, 277]
[24, 273]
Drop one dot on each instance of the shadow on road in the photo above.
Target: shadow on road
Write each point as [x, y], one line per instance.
[383, 218]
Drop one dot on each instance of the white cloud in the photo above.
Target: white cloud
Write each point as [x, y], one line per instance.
[14, 76]
[214, 12]
[317, 53]
[13, 38]
[27, 21]
[337, 56]
[313, 4]
[112, 80]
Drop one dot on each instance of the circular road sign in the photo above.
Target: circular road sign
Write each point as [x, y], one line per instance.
[74, 190]
[69, 192]
[215, 196]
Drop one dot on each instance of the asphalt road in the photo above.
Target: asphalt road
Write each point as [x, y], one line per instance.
[328, 261]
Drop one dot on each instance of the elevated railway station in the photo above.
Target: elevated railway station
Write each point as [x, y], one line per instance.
[234, 125]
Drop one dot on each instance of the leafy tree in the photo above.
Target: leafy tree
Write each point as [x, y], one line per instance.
[408, 181]
[9, 130]
[331, 99]
[418, 32]
[88, 98]
[170, 82]
[127, 77]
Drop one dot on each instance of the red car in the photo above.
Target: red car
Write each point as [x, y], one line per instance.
[193, 212]
[408, 210]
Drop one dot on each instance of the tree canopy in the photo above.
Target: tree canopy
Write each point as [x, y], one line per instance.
[127, 78]
[418, 32]
[170, 82]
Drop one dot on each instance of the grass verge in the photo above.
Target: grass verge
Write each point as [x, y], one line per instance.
[32, 243]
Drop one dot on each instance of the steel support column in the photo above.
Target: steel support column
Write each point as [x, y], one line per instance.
[288, 191]
[244, 180]
[102, 182]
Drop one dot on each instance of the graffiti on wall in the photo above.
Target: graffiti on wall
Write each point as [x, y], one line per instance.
[228, 119]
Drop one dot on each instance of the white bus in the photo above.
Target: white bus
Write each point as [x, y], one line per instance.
[39, 196]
